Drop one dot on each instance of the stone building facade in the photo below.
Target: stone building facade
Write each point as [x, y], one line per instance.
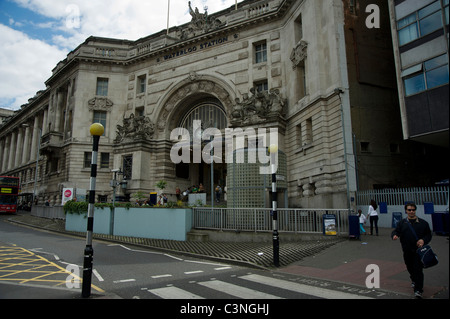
[311, 69]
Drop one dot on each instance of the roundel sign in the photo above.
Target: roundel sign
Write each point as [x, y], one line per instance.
[67, 193]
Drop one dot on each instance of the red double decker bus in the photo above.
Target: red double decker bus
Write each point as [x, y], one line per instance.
[9, 191]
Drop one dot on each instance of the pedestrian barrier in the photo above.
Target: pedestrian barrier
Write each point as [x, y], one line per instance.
[260, 220]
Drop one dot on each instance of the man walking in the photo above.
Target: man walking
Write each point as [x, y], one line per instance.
[410, 244]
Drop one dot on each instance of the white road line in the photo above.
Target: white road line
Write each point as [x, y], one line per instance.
[161, 276]
[95, 272]
[222, 268]
[237, 291]
[193, 272]
[300, 288]
[124, 280]
[173, 293]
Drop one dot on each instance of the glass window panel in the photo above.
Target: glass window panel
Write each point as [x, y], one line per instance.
[407, 20]
[414, 85]
[429, 9]
[430, 23]
[408, 34]
[437, 77]
[102, 87]
[437, 61]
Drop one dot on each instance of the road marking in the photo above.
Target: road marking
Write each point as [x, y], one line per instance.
[95, 272]
[23, 266]
[222, 268]
[161, 276]
[237, 291]
[300, 288]
[173, 293]
[193, 272]
[123, 280]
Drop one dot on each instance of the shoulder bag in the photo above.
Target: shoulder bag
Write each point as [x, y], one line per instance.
[426, 254]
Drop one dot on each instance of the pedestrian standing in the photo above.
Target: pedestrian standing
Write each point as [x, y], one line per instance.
[372, 215]
[410, 244]
[362, 221]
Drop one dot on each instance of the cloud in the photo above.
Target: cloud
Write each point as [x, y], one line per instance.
[26, 63]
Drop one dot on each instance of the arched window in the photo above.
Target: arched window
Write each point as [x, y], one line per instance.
[211, 114]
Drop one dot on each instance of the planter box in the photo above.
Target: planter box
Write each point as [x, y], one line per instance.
[78, 222]
[155, 223]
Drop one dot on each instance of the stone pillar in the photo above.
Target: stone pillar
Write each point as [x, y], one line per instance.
[19, 148]
[26, 146]
[35, 139]
[5, 153]
[12, 151]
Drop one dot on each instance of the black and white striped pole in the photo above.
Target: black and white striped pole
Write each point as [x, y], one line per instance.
[96, 131]
[273, 150]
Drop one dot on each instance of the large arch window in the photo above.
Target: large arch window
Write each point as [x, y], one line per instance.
[211, 114]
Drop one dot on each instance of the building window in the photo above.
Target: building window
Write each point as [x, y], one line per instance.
[102, 198]
[104, 160]
[127, 166]
[102, 87]
[260, 52]
[100, 117]
[262, 86]
[308, 137]
[87, 159]
[425, 76]
[141, 81]
[420, 23]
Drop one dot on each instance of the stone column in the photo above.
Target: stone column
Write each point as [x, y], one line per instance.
[5, 153]
[12, 151]
[19, 149]
[35, 140]
[26, 146]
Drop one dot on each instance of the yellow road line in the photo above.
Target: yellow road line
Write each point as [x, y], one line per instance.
[20, 252]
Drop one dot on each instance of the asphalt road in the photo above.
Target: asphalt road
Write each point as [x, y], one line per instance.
[49, 265]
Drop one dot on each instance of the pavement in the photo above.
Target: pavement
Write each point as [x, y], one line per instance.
[339, 259]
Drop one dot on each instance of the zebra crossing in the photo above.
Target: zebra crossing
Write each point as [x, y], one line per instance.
[242, 290]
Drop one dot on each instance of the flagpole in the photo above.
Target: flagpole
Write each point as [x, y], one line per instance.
[168, 15]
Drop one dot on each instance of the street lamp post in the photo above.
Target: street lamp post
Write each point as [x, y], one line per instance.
[273, 150]
[96, 131]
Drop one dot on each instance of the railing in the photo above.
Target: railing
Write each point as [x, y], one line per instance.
[260, 219]
[51, 212]
[437, 195]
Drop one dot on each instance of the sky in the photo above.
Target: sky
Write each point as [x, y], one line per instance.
[36, 34]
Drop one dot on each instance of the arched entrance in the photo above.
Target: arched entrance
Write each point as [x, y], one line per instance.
[211, 114]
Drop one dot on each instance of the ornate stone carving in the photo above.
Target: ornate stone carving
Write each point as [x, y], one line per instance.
[259, 107]
[196, 84]
[200, 23]
[100, 104]
[135, 128]
[299, 54]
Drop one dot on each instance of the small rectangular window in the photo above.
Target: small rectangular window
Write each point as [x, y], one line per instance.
[87, 159]
[260, 52]
[102, 87]
[141, 81]
[127, 166]
[100, 117]
[104, 160]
